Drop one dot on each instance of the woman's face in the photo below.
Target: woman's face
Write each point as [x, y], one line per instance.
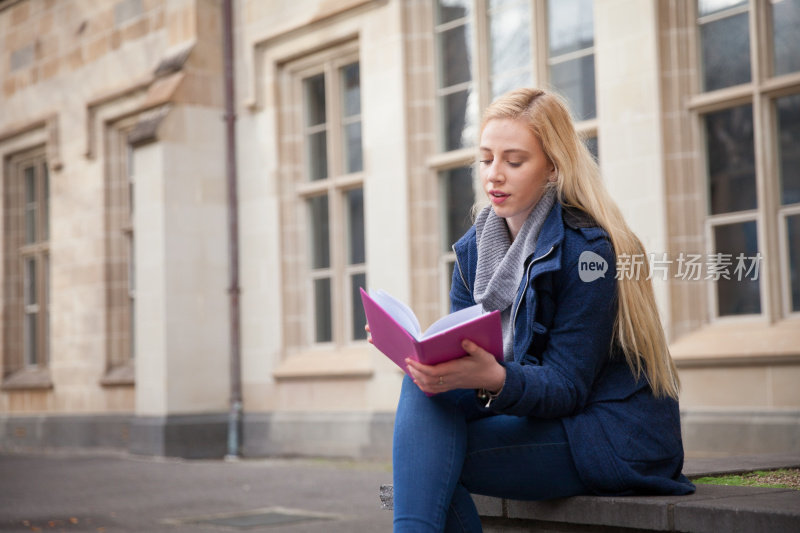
[514, 170]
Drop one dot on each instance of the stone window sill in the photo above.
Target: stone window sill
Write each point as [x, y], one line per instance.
[332, 363]
[33, 378]
[120, 376]
[740, 344]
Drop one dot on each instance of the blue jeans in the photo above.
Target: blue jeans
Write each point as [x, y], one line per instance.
[446, 447]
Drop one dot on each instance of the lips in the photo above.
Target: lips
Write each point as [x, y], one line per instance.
[498, 197]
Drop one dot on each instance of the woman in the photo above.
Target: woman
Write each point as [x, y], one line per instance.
[586, 399]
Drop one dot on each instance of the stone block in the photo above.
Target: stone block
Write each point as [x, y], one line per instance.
[773, 510]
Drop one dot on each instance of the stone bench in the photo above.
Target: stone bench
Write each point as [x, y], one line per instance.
[712, 509]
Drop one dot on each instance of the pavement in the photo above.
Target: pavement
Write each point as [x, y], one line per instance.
[110, 492]
[116, 492]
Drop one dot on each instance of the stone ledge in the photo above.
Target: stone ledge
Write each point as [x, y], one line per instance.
[711, 509]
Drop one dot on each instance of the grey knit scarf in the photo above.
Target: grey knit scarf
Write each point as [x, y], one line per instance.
[501, 261]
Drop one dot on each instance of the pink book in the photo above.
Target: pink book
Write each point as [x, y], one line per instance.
[396, 331]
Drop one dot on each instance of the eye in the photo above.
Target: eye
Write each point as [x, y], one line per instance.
[485, 161]
[515, 164]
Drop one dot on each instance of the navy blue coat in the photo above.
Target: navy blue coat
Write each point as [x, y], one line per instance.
[623, 439]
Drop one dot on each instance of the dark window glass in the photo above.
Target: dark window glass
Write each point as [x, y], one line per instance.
[793, 245]
[788, 117]
[454, 59]
[322, 310]
[458, 197]
[725, 46]
[30, 205]
[318, 156]
[358, 281]
[454, 119]
[449, 10]
[591, 144]
[355, 226]
[320, 234]
[731, 160]
[574, 79]
[315, 100]
[351, 89]
[738, 296]
[786, 37]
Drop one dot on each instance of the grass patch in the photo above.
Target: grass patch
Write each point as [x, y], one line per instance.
[785, 478]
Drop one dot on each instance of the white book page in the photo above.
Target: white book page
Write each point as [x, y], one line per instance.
[453, 319]
[399, 311]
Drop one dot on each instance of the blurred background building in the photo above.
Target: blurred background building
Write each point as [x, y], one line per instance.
[356, 125]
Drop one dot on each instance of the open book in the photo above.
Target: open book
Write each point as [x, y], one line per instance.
[396, 331]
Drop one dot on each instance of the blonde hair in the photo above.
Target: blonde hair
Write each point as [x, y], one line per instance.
[637, 328]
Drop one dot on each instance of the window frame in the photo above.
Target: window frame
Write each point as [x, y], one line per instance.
[761, 92]
[335, 186]
[17, 361]
[119, 235]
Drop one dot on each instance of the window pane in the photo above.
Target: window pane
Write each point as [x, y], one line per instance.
[318, 156]
[46, 202]
[738, 296]
[454, 56]
[46, 260]
[786, 38]
[707, 7]
[31, 312]
[315, 100]
[30, 282]
[351, 90]
[591, 144]
[454, 119]
[320, 235]
[506, 81]
[355, 226]
[352, 144]
[725, 46]
[358, 281]
[788, 116]
[731, 160]
[574, 79]
[510, 38]
[510, 62]
[322, 310]
[793, 236]
[30, 340]
[570, 26]
[448, 10]
[30, 205]
[458, 197]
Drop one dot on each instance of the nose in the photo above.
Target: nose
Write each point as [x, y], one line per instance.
[493, 173]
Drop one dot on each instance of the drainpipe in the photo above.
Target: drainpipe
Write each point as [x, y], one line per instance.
[235, 413]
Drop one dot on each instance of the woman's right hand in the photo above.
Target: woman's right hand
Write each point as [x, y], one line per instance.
[369, 336]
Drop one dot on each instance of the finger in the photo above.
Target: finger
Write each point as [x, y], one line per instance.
[473, 349]
[421, 368]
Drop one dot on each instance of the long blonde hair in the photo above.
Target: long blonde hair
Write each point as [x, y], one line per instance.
[637, 328]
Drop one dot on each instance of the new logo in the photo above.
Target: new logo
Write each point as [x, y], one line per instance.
[591, 266]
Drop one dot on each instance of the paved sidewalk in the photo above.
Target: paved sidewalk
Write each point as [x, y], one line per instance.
[109, 493]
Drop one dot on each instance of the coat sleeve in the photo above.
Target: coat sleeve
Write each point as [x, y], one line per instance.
[578, 346]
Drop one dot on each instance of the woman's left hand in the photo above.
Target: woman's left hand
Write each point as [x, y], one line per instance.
[477, 370]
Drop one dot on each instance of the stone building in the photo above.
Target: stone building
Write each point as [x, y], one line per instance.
[356, 124]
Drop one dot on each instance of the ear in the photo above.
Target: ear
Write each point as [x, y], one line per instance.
[553, 177]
